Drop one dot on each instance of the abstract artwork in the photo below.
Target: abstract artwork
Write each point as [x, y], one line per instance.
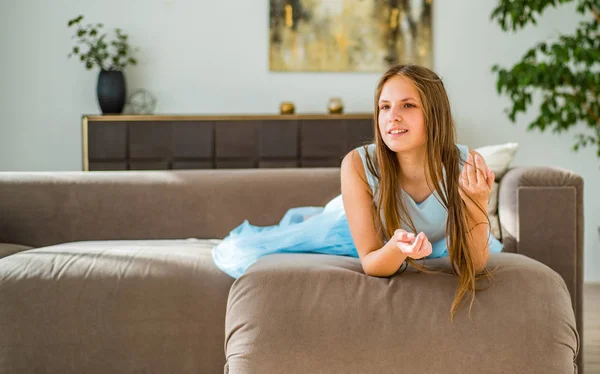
[349, 35]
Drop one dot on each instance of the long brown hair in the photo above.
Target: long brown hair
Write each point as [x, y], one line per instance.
[442, 153]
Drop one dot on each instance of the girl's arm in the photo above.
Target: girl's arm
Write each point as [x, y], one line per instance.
[376, 258]
[477, 180]
[478, 237]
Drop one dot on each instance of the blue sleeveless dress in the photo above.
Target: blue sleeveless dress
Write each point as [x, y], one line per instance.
[325, 230]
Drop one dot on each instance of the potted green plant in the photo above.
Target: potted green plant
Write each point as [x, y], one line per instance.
[564, 72]
[111, 57]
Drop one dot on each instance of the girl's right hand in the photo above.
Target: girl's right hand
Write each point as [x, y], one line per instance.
[415, 247]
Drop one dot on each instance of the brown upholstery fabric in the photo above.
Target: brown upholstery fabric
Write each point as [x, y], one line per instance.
[122, 307]
[39, 209]
[541, 215]
[7, 249]
[314, 313]
[113, 307]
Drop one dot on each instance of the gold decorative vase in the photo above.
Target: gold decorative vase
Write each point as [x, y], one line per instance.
[335, 105]
[287, 107]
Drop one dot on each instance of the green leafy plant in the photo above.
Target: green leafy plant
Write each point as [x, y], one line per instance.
[565, 72]
[93, 49]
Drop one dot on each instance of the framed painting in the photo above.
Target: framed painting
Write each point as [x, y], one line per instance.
[349, 35]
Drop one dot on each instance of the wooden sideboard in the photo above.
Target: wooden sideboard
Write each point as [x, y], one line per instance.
[125, 142]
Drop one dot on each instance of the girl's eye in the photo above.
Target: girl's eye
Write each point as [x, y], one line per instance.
[409, 105]
[384, 106]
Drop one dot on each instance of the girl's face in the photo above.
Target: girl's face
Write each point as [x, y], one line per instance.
[401, 120]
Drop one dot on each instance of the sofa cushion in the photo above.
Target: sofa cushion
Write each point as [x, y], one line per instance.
[154, 306]
[498, 158]
[7, 249]
[313, 313]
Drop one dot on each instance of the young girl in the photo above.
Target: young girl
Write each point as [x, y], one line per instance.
[412, 194]
[415, 187]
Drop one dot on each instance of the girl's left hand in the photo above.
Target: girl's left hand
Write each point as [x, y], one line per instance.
[476, 180]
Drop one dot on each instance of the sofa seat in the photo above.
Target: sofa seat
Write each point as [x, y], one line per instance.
[313, 313]
[101, 306]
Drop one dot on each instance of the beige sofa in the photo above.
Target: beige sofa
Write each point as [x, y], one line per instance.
[111, 272]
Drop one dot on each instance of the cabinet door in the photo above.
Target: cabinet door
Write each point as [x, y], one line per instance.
[278, 139]
[236, 140]
[107, 146]
[278, 143]
[358, 132]
[107, 141]
[322, 138]
[193, 140]
[150, 140]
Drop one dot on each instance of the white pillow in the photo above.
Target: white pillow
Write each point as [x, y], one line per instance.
[493, 203]
[498, 157]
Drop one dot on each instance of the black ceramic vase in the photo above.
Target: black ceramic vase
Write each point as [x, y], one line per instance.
[111, 91]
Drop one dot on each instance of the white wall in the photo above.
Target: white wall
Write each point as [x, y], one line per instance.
[201, 56]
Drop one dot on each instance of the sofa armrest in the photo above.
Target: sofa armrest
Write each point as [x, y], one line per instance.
[541, 216]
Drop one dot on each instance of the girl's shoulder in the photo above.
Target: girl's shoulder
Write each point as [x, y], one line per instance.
[367, 148]
[370, 149]
[363, 151]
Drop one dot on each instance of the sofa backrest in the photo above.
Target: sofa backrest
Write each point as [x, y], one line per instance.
[42, 208]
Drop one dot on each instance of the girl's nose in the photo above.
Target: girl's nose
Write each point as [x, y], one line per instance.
[395, 115]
